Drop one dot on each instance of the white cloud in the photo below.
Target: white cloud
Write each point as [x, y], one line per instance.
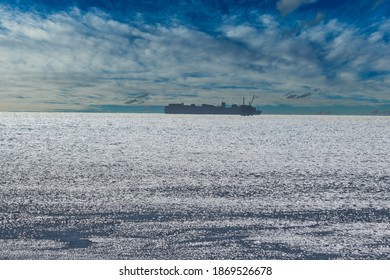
[85, 59]
[73, 60]
[287, 6]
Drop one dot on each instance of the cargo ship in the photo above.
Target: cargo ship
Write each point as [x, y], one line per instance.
[206, 109]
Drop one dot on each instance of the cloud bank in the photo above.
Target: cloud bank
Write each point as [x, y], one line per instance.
[74, 59]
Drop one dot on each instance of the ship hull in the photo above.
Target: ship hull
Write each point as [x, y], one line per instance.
[243, 110]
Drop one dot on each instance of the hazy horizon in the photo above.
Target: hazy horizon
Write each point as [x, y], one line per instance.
[266, 110]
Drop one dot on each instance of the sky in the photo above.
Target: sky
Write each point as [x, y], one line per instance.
[296, 56]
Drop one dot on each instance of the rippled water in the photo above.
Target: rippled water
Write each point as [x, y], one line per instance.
[129, 186]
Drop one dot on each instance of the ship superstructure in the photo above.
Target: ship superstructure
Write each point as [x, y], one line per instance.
[206, 109]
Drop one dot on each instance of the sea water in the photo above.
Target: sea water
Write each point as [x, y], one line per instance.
[154, 186]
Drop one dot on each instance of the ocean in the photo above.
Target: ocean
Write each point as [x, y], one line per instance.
[155, 186]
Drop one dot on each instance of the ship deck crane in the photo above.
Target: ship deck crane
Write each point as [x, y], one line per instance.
[253, 98]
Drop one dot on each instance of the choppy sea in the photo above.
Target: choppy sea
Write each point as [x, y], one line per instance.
[155, 186]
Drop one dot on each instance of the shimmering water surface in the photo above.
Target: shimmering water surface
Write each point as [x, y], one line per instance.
[129, 186]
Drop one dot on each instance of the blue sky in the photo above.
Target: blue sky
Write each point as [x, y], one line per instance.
[300, 56]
